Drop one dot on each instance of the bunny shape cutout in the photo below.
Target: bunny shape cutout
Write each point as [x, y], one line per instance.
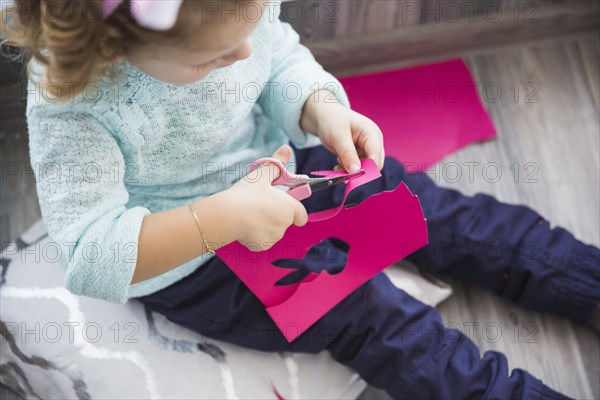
[393, 226]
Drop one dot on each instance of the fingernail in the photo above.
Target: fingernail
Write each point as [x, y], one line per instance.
[354, 167]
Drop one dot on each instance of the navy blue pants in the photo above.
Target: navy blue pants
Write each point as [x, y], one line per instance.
[392, 340]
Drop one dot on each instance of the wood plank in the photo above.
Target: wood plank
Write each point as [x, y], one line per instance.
[343, 54]
[559, 134]
[19, 205]
[358, 17]
[311, 18]
[4, 230]
[556, 133]
[588, 50]
[381, 16]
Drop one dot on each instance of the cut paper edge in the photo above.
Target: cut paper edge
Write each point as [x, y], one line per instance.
[293, 307]
[371, 173]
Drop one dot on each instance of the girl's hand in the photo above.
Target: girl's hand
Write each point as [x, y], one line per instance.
[344, 132]
[261, 212]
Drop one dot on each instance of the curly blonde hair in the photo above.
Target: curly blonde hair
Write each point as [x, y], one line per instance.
[75, 44]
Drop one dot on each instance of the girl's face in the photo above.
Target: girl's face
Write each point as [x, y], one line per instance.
[216, 45]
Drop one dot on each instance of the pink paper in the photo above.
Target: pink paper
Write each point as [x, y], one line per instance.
[396, 228]
[424, 112]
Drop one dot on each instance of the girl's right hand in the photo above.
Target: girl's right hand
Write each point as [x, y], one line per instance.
[262, 213]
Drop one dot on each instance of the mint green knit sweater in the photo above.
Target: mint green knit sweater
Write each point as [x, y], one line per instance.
[131, 145]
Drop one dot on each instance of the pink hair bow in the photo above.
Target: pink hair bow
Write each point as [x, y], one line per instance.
[159, 15]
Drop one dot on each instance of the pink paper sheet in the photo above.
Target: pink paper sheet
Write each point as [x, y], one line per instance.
[425, 113]
[396, 228]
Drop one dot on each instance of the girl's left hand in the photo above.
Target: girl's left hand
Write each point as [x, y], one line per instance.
[346, 133]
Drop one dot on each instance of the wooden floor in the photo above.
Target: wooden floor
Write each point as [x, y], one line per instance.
[560, 137]
[554, 143]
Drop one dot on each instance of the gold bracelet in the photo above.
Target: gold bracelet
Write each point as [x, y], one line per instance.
[211, 251]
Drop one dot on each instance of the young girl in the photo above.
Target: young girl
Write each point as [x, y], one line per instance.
[144, 117]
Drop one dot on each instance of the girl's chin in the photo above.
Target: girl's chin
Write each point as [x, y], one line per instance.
[196, 77]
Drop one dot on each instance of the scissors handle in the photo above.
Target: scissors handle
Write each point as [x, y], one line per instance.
[285, 178]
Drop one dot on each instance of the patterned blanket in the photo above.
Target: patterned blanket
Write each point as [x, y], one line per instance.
[58, 345]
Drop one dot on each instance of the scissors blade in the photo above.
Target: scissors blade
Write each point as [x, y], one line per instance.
[324, 183]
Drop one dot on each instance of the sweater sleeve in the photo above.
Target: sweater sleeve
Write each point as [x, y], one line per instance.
[80, 171]
[295, 74]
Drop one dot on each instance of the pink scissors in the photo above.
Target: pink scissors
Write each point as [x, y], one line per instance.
[302, 186]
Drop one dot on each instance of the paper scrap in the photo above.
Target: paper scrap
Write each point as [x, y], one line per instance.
[425, 112]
